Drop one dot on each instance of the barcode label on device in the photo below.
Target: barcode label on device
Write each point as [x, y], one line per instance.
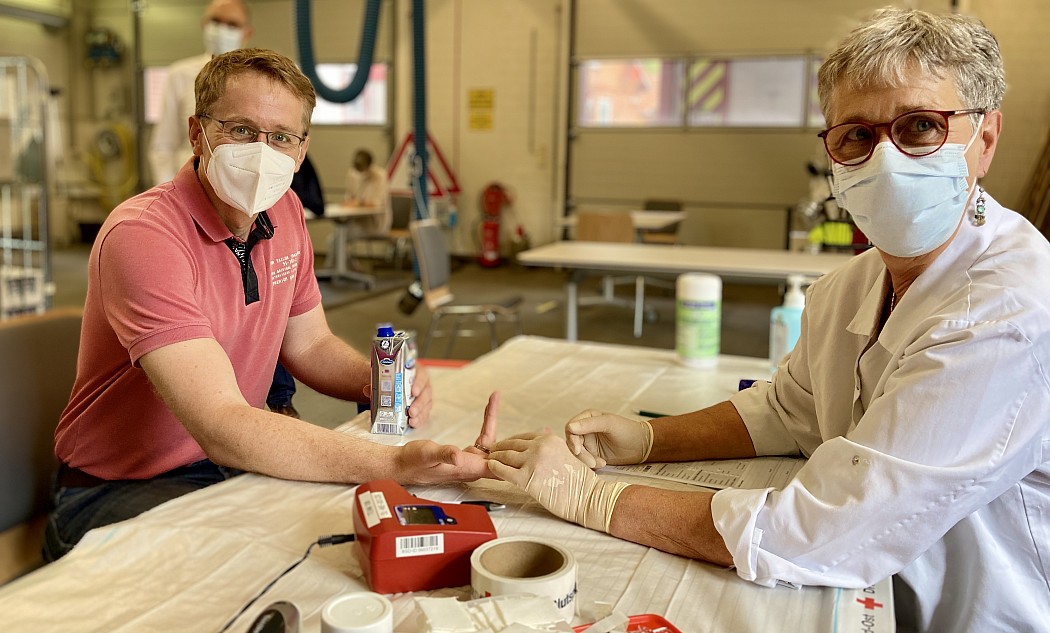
[419, 545]
[384, 427]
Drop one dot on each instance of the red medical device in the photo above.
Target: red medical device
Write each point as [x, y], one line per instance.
[405, 543]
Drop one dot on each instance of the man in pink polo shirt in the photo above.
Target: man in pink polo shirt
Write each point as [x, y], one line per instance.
[195, 288]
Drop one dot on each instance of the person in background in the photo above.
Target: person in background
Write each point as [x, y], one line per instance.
[307, 185]
[226, 26]
[367, 186]
[195, 287]
[919, 390]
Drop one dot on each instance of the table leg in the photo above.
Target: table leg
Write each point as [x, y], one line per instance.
[571, 307]
[342, 270]
[639, 304]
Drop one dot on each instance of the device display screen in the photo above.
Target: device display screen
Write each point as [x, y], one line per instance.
[418, 515]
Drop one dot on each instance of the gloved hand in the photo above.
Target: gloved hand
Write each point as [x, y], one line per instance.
[600, 438]
[541, 465]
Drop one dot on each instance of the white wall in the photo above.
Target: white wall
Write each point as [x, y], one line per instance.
[510, 48]
[738, 183]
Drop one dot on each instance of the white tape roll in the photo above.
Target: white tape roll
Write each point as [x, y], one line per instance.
[519, 564]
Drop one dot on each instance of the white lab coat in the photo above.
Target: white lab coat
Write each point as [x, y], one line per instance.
[169, 146]
[928, 446]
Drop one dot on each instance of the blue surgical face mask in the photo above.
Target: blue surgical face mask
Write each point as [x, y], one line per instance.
[906, 205]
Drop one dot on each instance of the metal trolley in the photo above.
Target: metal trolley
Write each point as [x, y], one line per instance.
[25, 257]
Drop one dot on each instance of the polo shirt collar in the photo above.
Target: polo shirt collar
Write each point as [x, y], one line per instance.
[189, 187]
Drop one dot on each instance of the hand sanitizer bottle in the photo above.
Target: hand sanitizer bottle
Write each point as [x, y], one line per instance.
[785, 322]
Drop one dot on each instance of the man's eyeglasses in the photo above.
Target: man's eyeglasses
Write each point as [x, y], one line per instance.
[239, 132]
[916, 133]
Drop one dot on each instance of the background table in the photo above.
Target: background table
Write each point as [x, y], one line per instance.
[583, 258]
[190, 564]
[343, 268]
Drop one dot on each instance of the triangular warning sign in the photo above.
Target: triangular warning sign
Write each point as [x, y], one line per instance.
[442, 180]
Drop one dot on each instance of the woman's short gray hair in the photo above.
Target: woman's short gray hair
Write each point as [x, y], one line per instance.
[881, 50]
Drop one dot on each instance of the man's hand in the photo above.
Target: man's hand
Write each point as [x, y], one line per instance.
[599, 438]
[424, 462]
[423, 398]
[487, 437]
[541, 464]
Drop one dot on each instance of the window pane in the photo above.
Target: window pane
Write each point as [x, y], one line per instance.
[816, 117]
[153, 78]
[630, 92]
[748, 92]
[369, 108]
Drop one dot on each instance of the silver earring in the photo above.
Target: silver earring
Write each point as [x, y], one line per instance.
[978, 216]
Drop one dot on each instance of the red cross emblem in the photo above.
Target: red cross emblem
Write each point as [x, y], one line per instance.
[869, 603]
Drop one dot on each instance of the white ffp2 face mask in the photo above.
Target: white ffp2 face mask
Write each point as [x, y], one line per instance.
[907, 206]
[221, 38]
[249, 177]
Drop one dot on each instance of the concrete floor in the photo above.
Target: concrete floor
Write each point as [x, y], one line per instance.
[353, 313]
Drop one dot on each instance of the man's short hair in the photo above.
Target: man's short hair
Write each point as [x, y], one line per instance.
[211, 82]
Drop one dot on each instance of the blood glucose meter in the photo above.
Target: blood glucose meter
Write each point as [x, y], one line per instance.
[405, 543]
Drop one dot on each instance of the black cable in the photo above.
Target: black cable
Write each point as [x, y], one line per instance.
[324, 541]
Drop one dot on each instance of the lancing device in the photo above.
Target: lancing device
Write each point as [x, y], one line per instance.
[488, 505]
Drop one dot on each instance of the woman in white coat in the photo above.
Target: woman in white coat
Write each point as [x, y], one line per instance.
[919, 389]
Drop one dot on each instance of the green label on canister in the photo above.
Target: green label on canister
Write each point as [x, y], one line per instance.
[698, 329]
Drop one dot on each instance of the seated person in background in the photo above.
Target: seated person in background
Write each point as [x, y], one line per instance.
[195, 288]
[307, 186]
[367, 186]
[918, 390]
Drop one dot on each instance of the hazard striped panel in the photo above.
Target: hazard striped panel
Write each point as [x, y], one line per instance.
[707, 86]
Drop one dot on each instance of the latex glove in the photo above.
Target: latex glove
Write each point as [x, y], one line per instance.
[600, 438]
[541, 465]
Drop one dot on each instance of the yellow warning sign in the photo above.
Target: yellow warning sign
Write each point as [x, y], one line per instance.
[481, 103]
[481, 98]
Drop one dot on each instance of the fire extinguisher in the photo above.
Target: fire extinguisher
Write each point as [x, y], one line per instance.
[493, 198]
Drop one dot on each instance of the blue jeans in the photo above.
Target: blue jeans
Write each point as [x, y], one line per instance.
[282, 389]
[77, 510]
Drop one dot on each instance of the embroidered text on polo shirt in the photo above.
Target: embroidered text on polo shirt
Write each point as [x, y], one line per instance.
[261, 230]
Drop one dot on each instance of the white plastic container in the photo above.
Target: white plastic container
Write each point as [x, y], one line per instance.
[785, 322]
[698, 322]
[360, 612]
